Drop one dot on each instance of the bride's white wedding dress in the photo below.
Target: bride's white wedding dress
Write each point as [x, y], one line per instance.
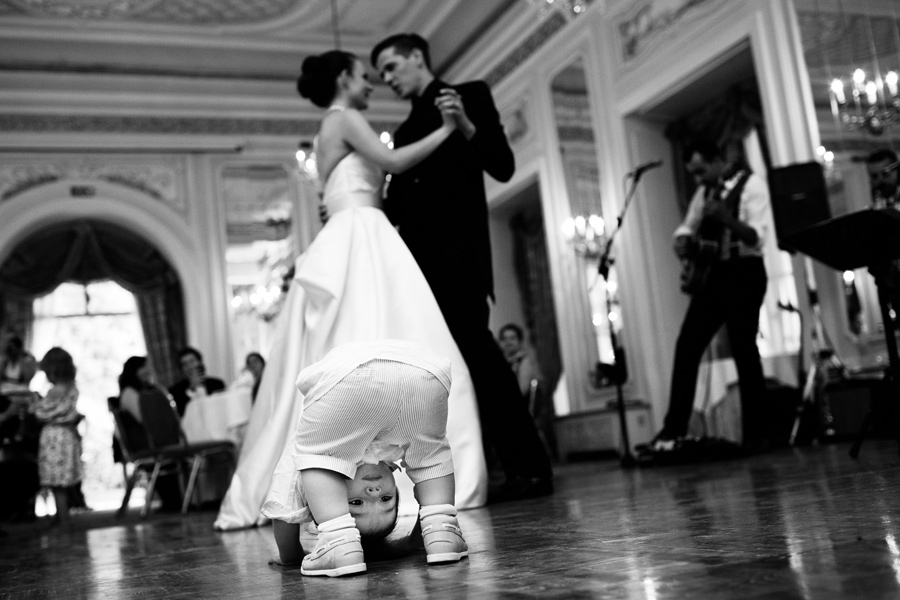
[356, 281]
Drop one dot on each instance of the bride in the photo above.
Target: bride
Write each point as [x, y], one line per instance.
[356, 281]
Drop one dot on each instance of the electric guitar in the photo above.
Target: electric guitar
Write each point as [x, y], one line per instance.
[705, 248]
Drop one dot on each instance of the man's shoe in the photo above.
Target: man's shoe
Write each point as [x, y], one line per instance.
[442, 536]
[662, 442]
[336, 553]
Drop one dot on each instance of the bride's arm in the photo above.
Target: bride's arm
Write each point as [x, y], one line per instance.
[361, 137]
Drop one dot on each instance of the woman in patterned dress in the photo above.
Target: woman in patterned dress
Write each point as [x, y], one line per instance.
[59, 450]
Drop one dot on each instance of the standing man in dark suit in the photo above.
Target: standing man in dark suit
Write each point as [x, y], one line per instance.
[440, 208]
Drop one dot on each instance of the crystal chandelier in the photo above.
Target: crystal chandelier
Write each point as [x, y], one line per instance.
[586, 235]
[873, 104]
[572, 7]
[263, 301]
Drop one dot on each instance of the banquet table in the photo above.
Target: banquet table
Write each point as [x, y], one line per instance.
[220, 416]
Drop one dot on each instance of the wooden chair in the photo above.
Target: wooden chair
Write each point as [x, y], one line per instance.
[135, 451]
[167, 442]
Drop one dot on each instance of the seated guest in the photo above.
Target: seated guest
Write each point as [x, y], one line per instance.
[19, 433]
[255, 364]
[17, 366]
[195, 382]
[521, 361]
[136, 376]
[251, 374]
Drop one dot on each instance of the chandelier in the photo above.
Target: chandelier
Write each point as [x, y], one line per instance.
[306, 160]
[263, 301]
[586, 235]
[873, 104]
[572, 7]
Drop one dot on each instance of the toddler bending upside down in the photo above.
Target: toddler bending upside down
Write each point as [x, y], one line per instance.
[366, 405]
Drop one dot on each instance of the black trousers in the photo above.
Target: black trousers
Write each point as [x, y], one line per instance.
[733, 296]
[507, 424]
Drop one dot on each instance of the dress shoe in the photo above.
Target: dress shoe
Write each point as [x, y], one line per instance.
[662, 442]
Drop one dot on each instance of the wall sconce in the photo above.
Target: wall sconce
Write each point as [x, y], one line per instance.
[306, 160]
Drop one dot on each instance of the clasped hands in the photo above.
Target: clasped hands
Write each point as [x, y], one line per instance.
[450, 103]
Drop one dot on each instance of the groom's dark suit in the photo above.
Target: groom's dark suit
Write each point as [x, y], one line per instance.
[440, 208]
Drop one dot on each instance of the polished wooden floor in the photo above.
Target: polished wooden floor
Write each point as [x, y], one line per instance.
[808, 523]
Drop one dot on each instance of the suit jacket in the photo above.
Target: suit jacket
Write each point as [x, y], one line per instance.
[440, 205]
[179, 391]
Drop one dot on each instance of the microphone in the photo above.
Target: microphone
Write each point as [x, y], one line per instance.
[891, 167]
[646, 167]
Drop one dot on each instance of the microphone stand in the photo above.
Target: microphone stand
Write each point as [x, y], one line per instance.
[606, 261]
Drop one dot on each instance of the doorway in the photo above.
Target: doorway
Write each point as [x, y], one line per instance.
[102, 293]
[720, 102]
[524, 295]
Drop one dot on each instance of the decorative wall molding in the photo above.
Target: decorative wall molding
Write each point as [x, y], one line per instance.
[295, 128]
[516, 123]
[142, 124]
[183, 12]
[159, 179]
[649, 23]
[529, 46]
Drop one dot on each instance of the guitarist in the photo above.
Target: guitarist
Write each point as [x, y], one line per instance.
[731, 210]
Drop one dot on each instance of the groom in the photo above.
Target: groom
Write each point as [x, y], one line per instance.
[440, 208]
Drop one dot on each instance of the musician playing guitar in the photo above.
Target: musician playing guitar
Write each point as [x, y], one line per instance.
[731, 211]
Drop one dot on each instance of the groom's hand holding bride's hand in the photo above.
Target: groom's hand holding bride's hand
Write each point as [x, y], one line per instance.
[451, 105]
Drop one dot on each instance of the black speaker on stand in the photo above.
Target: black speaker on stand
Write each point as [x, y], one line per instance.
[799, 197]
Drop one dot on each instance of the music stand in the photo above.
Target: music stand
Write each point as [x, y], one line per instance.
[868, 238]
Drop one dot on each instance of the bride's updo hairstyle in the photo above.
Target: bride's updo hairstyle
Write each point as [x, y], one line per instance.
[318, 75]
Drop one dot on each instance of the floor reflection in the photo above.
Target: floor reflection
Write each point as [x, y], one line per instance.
[807, 523]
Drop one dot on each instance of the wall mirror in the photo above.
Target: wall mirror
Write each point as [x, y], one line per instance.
[260, 221]
[573, 117]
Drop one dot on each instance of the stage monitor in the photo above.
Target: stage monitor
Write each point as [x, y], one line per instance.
[799, 199]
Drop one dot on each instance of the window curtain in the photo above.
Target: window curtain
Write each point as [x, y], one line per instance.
[16, 314]
[86, 251]
[533, 276]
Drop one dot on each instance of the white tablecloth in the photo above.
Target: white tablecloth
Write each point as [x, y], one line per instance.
[219, 416]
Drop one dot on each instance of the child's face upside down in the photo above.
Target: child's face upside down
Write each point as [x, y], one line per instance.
[372, 496]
